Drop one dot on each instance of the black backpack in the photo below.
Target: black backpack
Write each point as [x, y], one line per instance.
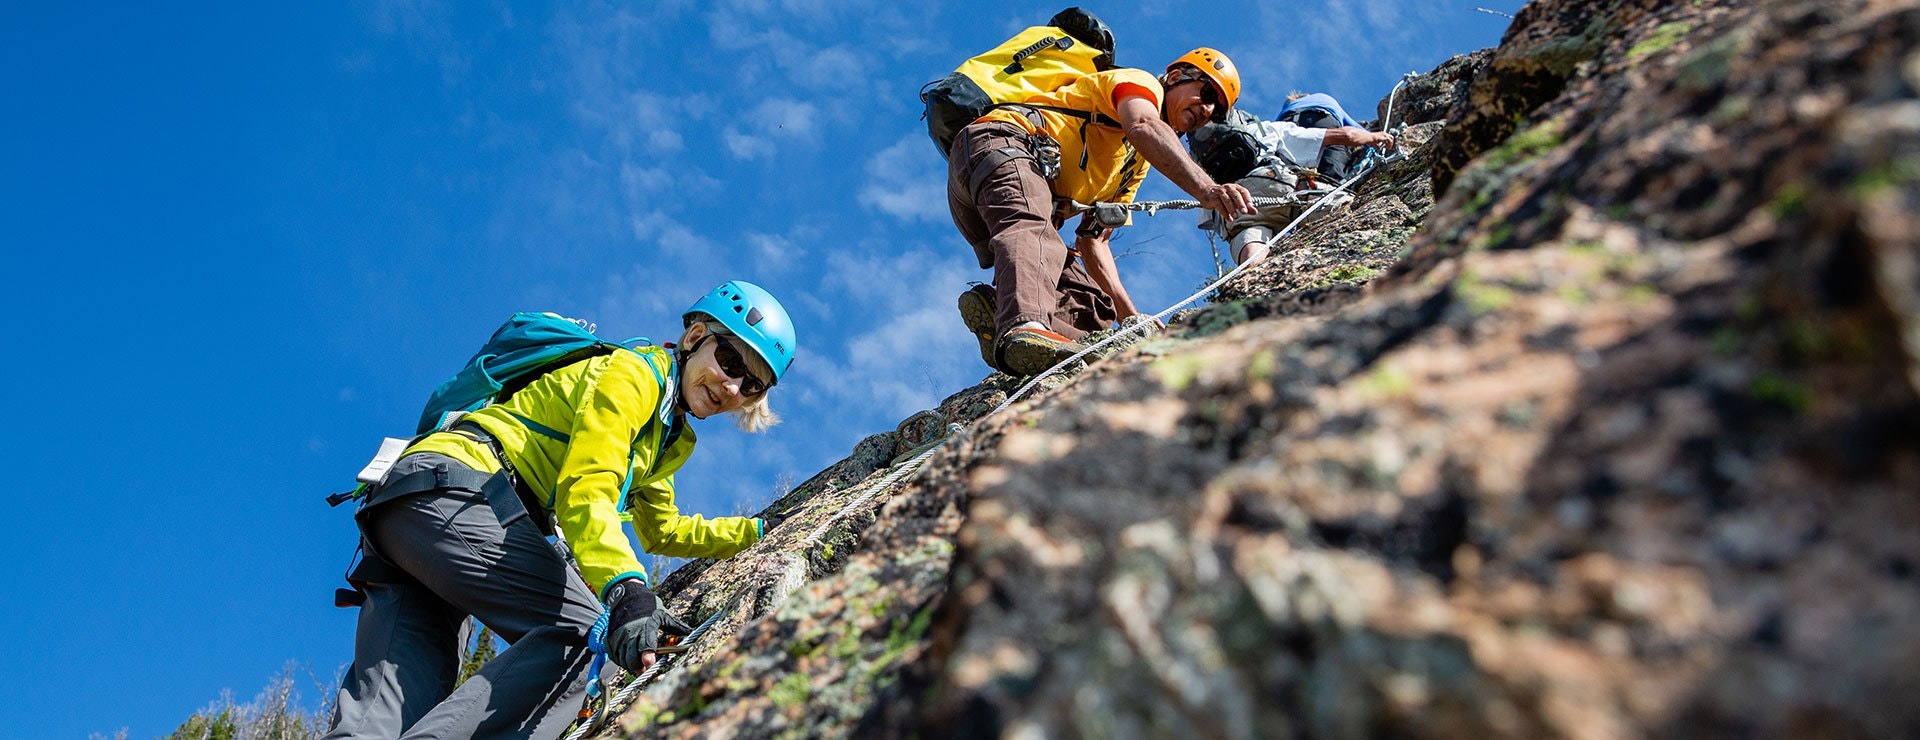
[1227, 149]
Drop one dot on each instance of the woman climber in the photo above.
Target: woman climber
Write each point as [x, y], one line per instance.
[458, 527]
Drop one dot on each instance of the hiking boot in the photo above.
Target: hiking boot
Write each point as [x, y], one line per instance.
[1026, 352]
[976, 310]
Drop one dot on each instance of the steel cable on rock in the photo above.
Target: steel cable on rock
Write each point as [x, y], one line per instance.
[902, 470]
[596, 721]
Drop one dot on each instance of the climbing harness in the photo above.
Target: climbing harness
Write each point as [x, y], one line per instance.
[901, 469]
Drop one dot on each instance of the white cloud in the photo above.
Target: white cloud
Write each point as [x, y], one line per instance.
[676, 241]
[777, 39]
[662, 140]
[744, 146]
[654, 120]
[637, 179]
[761, 132]
[774, 253]
[904, 347]
[907, 181]
[1394, 37]
[784, 118]
[830, 65]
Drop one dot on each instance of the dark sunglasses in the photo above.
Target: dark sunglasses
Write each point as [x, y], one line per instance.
[1209, 94]
[734, 364]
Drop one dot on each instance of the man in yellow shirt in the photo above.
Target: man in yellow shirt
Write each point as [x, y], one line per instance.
[1090, 140]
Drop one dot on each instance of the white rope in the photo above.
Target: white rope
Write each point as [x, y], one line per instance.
[911, 466]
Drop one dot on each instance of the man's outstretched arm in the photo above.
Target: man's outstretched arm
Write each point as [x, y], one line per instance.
[1157, 141]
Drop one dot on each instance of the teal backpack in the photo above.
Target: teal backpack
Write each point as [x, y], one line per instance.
[527, 346]
[520, 351]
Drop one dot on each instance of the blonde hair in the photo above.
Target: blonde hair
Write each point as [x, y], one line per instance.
[756, 415]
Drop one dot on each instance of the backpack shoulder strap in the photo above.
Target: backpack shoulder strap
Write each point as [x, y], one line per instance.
[670, 429]
[519, 383]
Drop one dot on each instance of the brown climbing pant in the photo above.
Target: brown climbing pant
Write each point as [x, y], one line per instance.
[1004, 208]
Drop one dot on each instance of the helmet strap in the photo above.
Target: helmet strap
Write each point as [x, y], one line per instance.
[680, 355]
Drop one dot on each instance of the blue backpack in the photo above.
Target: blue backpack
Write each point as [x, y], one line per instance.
[524, 348]
[519, 352]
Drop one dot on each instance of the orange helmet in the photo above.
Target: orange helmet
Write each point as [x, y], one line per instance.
[1218, 69]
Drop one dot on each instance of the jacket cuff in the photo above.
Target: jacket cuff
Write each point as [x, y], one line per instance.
[641, 575]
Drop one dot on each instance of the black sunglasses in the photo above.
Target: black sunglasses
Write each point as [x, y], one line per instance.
[735, 365]
[1209, 93]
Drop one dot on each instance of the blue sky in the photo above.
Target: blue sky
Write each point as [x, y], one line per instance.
[246, 240]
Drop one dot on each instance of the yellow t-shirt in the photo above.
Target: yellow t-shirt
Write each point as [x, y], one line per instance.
[1099, 165]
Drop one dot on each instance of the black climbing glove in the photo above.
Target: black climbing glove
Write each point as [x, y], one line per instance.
[769, 521]
[635, 622]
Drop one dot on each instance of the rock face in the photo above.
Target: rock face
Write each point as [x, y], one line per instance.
[1620, 437]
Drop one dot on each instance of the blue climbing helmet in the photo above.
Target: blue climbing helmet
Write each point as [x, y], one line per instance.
[753, 315]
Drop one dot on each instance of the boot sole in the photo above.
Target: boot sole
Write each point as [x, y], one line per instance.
[1034, 358]
[977, 313]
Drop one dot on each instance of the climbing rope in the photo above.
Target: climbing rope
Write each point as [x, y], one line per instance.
[900, 470]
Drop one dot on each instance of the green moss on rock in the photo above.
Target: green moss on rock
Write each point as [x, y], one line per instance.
[1352, 273]
[791, 691]
[1483, 297]
[1179, 371]
[1660, 40]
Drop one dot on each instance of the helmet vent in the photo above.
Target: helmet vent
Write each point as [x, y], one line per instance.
[1219, 64]
[754, 316]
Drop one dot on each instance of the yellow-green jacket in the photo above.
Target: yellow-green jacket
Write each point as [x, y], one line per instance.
[570, 434]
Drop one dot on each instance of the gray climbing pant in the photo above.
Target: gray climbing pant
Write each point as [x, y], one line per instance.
[431, 559]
